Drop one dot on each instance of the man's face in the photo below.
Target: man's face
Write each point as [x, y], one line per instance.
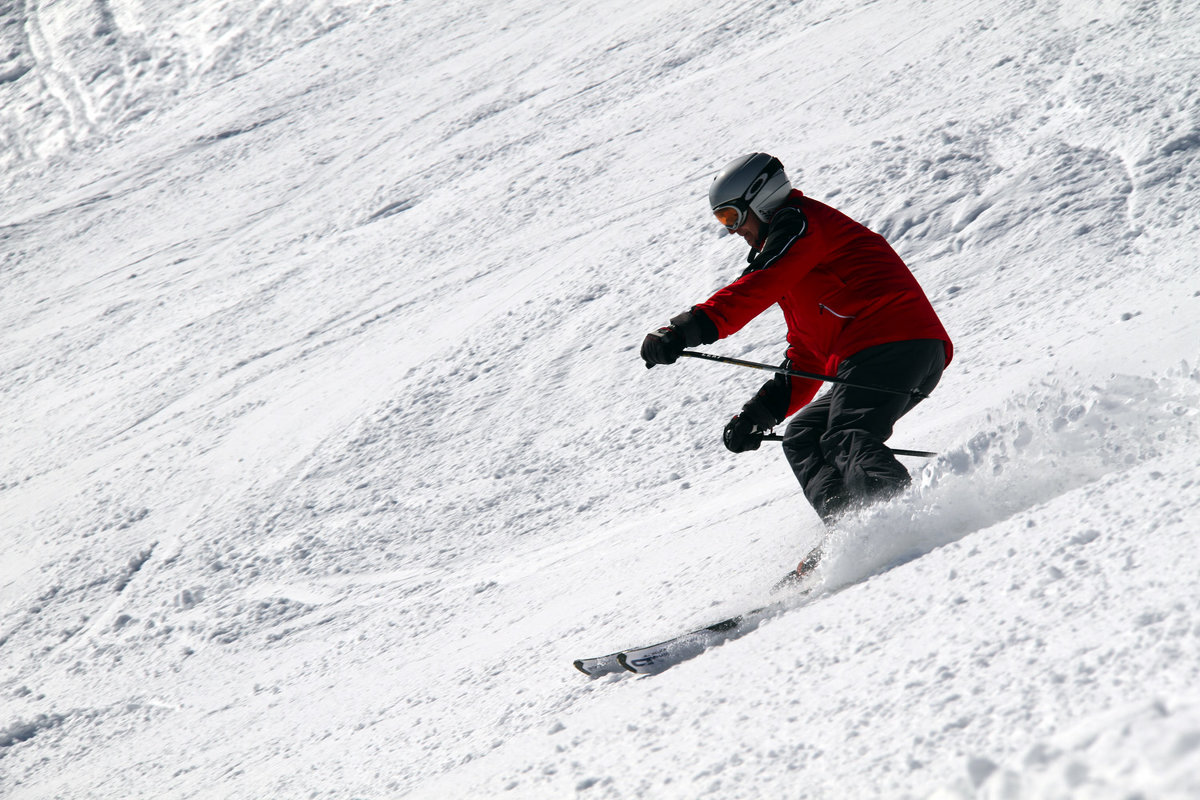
[750, 230]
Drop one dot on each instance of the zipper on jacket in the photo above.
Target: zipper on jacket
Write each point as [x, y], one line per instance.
[822, 308]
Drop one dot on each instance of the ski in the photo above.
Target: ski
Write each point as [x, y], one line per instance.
[661, 656]
[658, 657]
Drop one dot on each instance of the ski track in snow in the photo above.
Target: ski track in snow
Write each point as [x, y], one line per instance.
[327, 447]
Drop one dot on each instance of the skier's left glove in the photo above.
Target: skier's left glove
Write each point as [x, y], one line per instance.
[688, 329]
[745, 431]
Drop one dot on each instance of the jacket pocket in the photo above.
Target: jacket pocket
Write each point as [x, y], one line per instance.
[824, 309]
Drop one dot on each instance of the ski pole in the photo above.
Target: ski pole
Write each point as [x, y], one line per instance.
[795, 373]
[775, 437]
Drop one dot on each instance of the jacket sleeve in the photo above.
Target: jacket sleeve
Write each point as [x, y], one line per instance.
[786, 257]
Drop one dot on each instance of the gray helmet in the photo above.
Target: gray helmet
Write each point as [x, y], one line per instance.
[754, 182]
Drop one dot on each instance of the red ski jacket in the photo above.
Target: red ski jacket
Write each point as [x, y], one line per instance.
[841, 286]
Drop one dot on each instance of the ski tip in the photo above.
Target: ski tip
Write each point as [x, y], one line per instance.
[595, 667]
[598, 667]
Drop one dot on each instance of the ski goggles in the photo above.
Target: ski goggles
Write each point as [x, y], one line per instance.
[732, 215]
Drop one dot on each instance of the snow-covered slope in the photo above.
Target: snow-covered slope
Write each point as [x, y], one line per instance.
[327, 447]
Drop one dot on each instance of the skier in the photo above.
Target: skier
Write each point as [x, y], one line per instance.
[853, 309]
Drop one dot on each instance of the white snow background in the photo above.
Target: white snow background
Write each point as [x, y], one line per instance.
[325, 447]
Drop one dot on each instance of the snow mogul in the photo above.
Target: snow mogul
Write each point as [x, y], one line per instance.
[853, 309]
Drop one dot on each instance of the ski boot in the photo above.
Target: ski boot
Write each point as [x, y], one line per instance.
[795, 578]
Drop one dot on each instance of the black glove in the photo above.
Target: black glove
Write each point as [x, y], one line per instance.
[686, 330]
[663, 346]
[745, 431]
[741, 434]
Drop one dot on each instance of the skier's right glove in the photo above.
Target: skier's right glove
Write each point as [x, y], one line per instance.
[689, 329]
[745, 431]
[662, 346]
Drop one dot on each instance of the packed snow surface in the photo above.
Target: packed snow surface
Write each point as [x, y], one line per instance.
[327, 448]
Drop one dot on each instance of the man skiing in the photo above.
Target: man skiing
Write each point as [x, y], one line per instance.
[853, 310]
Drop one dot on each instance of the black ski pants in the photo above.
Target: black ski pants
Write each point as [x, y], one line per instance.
[835, 444]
